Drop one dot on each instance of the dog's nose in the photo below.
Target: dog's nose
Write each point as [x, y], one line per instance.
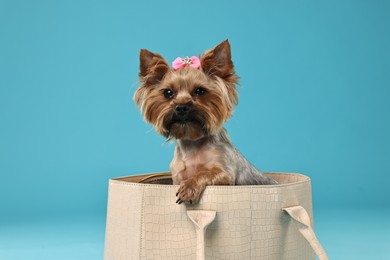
[182, 109]
[182, 112]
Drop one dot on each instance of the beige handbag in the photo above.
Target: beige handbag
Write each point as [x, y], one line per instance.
[243, 222]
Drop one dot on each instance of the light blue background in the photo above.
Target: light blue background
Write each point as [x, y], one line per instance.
[314, 98]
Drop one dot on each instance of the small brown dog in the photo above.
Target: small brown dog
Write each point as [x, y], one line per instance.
[190, 103]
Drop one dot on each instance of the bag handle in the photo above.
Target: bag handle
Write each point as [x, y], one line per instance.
[302, 219]
[201, 219]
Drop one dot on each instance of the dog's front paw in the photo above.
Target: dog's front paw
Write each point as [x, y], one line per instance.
[189, 191]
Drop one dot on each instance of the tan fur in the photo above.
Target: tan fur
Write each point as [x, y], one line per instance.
[203, 155]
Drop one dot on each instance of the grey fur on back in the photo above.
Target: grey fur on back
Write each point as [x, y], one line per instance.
[245, 173]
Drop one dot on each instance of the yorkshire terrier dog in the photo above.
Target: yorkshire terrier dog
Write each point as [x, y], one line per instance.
[189, 103]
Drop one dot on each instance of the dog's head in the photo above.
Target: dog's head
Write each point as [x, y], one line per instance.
[191, 100]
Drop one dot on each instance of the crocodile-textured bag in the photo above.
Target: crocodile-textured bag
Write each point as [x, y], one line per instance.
[243, 222]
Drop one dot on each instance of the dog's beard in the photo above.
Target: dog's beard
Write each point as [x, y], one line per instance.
[189, 128]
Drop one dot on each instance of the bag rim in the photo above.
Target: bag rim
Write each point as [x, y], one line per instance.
[123, 180]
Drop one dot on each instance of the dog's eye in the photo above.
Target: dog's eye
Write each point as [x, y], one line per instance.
[168, 93]
[199, 92]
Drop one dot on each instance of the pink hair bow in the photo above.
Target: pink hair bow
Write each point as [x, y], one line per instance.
[179, 63]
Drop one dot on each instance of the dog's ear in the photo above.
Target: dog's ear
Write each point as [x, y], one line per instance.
[152, 70]
[218, 62]
[152, 67]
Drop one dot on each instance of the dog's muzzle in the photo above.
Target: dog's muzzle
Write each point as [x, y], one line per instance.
[182, 113]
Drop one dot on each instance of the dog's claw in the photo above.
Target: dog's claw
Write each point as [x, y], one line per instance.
[177, 193]
[177, 201]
